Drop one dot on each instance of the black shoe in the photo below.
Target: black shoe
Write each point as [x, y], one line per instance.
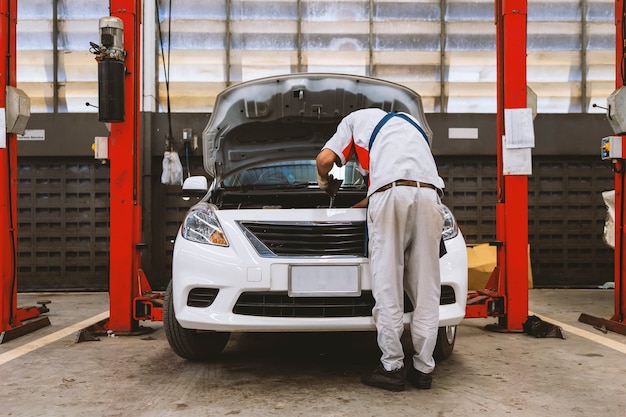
[418, 379]
[389, 380]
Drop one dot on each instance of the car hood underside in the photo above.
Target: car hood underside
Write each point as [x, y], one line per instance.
[292, 116]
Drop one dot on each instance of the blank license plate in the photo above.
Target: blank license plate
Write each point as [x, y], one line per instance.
[324, 280]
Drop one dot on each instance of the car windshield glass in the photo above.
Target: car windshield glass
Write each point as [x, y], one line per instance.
[292, 173]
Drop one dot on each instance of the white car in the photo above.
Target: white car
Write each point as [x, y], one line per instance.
[265, 250]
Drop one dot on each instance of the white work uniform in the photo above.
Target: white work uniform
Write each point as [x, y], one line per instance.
[404, 226]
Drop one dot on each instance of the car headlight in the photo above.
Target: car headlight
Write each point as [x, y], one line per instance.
[201, 225]
[450, 228]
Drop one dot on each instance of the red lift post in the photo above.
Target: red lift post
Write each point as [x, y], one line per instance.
[14, 321]
[619, 315]
[130, 295]
[506, 294]
[125, 207]
[614, 149]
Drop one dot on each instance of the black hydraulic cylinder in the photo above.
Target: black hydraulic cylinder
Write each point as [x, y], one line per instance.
[111, 74]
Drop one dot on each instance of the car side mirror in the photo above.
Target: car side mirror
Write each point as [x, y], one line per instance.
[194, 186]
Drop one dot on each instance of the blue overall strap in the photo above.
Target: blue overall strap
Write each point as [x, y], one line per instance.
[389, 116]
[379, 126]
[415, 125]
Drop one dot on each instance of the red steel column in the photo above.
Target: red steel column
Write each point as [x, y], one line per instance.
[124, 154]
[619, 252]
[512, 206]
[8, 173]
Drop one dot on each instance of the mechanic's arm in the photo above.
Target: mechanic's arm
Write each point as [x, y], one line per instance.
[325, 161]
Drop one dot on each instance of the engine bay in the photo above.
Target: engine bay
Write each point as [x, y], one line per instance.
[284, 199]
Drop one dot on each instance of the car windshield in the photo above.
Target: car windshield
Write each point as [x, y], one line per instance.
[292, 174]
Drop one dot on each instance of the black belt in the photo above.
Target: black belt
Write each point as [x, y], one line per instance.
[407, 183]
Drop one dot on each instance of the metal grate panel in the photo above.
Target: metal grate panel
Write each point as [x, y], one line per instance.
[566, 214]
[63, 224]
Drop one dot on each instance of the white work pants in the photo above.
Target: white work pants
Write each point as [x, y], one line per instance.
[404, 226]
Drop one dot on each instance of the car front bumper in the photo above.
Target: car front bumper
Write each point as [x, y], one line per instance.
[225, 273]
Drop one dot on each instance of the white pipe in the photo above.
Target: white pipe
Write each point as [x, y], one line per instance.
[149, 101]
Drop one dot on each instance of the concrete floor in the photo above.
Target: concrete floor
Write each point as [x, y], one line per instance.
[489, 374]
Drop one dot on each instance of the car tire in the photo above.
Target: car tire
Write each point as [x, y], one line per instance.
[190, 344]
[446, 336]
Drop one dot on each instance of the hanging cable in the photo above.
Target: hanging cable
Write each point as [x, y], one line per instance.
[166, 67]
[187, 158]
[171, 160]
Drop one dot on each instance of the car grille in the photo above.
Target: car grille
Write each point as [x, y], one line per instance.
[279, 304]
[306, 238]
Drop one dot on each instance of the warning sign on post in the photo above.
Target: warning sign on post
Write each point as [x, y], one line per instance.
[517, 142]
[518, 128]
[516, 161]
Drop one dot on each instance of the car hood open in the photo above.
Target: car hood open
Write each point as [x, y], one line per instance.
[292, 116]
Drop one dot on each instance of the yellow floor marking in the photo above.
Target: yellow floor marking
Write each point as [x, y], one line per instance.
[46, 340]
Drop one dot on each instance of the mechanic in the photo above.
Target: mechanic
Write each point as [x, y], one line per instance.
[404, 221]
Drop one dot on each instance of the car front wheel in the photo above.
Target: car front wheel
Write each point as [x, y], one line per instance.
[190, 344]
[445, 343]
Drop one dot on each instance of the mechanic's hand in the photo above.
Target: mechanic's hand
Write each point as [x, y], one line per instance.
[329, 184]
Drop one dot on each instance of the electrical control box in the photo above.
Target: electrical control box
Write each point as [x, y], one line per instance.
[18, 110]
[612, 148]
